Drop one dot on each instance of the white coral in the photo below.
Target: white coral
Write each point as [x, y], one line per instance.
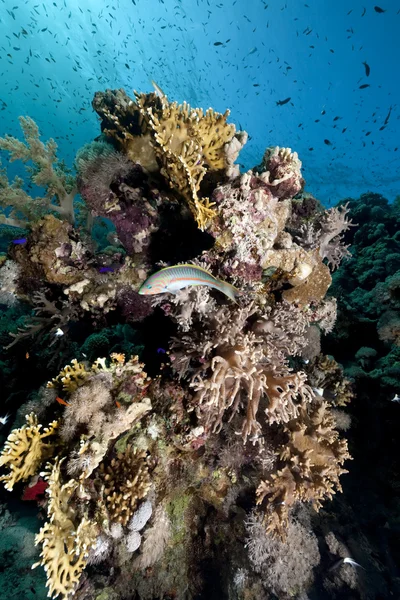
[141, 516]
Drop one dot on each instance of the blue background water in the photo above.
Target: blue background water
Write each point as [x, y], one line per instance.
[55, 55]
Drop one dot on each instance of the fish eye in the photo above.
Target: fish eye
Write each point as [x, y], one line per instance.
[149, 287]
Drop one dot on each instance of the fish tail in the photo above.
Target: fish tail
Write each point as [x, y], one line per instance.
[231, 291]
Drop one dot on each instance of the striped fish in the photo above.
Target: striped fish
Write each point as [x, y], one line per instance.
[172, 279]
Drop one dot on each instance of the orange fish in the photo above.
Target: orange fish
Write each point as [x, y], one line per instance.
[118, 404]
[61, 401]
[27, 355]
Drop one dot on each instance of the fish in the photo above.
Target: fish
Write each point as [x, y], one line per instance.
[4, 420]
[158, 90]
[345, 560]
[388, 116]
[106, 269]
[19, 241]
[378, 9]
[328, 142]
[218, 44]
[363, 86]
[61, 401]
[172, 279]
[117, 404]
[282, 102]
[367, 69]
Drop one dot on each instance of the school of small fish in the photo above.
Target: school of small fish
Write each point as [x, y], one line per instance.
[268, 62]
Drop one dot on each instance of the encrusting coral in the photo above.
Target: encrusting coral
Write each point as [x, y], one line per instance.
[147, 471]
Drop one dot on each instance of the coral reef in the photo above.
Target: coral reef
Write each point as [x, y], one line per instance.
[163, 477]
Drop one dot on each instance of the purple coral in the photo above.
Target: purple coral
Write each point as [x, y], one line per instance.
[116, 188]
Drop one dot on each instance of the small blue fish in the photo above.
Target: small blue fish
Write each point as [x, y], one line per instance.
[20, 241]
[106, 270]
[161, 351]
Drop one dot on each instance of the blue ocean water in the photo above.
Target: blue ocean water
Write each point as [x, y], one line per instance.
[306, 331]
[336, 62]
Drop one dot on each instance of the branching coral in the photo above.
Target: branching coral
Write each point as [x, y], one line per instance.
[185, 141]
[242, 368]
[126, 481]
[326, 234]
[66, 538]
[47, 317]
[25, 450]
[47, 172]
[313, 457]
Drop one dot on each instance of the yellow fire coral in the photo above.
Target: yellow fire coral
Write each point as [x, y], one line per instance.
[66, 539]
[25, 450]
[186, 143]
[126, 481]
[74, 375]
[71, 377]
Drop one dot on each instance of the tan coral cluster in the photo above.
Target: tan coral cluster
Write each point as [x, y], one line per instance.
[312, 457]
[241, 379]
[126, 481]
[25, 450]
[187, 143]
[325, 373]
[70, 377]
[242, 372]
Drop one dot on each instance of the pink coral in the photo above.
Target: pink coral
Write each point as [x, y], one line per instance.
[281, 172]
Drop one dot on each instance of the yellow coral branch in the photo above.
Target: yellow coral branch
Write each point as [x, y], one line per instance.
[24, 451]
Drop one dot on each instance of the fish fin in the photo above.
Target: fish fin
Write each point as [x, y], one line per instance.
[231, 291]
